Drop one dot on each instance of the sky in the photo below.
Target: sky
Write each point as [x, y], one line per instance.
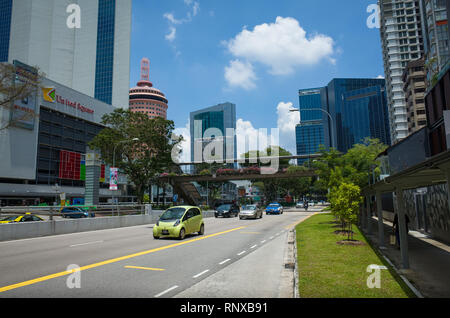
[255, 54]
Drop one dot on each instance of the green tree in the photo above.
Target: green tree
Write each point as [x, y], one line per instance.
[297, 186]
[356, 166]
[140, 160]
[345, 202]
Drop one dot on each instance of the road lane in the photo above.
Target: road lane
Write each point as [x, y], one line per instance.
[180, 263]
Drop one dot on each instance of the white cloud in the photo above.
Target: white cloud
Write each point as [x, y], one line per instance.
[240, 74]
[380, 76]
[171, 36]
[245, 129]
[185, 145]
[286, 122]
[194, 7]
[282, 46]
[170, 17]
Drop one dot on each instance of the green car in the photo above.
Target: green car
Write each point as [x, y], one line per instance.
[178, 222]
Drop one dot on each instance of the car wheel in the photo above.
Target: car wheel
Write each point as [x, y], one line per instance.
[202, 230]
[156, 237]
[182, 234]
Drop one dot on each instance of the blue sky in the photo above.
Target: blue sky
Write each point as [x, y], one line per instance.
[200, 56]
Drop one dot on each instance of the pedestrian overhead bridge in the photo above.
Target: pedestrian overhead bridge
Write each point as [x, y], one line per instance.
[182, 184]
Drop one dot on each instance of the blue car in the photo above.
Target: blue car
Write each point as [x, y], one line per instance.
[274, 208]
[76, 213]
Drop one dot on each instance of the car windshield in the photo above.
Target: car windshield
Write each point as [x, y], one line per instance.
[274, 205]
[224, 207]
[10, 218]
[172, 214]
[249, 207]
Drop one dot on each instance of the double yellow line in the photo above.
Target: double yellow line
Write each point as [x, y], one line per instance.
[110, 261]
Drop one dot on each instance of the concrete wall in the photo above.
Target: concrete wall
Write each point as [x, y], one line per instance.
[15, 231]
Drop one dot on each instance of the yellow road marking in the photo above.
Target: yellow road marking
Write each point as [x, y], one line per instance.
[145, 268]
[110, 261]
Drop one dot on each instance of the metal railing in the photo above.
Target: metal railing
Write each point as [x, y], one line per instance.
[52, 211]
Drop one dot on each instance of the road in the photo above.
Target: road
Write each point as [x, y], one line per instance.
[235, 258]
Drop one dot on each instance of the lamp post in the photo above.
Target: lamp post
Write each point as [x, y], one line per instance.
[324, 111]
[114, 155]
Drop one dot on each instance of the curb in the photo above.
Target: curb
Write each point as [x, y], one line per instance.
[405, 280]
[293, 235]
[296, 292]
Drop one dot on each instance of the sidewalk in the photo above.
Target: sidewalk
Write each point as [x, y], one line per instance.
[429, 260]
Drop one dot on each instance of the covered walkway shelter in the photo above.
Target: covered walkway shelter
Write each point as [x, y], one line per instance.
[434, 170]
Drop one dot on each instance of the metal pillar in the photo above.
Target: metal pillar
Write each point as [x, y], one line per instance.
[368, 216]
[380, 220]
[402, 228]
[92, 183]
[447, 175]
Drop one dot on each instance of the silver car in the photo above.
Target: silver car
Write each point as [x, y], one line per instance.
[250, 211]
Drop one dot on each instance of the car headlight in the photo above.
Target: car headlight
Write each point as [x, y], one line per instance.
[176, 223]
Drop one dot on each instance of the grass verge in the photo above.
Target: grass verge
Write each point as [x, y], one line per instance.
[329, 270]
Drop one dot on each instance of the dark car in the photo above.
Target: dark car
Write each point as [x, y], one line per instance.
[76, 213]
[227, 210]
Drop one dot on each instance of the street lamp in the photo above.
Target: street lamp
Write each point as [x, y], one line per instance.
[324, 111]
[114, 154]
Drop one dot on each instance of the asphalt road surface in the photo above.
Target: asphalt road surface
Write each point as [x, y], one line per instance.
[234, 258]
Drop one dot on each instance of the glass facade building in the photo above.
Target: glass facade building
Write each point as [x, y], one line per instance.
[309, 133]
[364, 114]
[337, 131]
[105, 51]
[309, 136]
[5, 28]
[220, 117]
[357, 107]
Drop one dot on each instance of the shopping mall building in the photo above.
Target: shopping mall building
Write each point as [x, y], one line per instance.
[43, 156]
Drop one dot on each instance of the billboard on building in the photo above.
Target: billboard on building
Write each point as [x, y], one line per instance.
[23, 113]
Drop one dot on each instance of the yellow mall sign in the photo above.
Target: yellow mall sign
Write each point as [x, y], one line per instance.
[49, 94]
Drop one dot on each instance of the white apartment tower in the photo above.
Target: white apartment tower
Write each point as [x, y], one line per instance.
[93, 59]
[401, 39]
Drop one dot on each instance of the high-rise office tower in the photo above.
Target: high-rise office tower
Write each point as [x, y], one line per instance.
[146, 99]
[358, 109]
[309, 133]
[211, 124]
[401, 39]
[352, 109]
[92, 57]
[436, 36]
